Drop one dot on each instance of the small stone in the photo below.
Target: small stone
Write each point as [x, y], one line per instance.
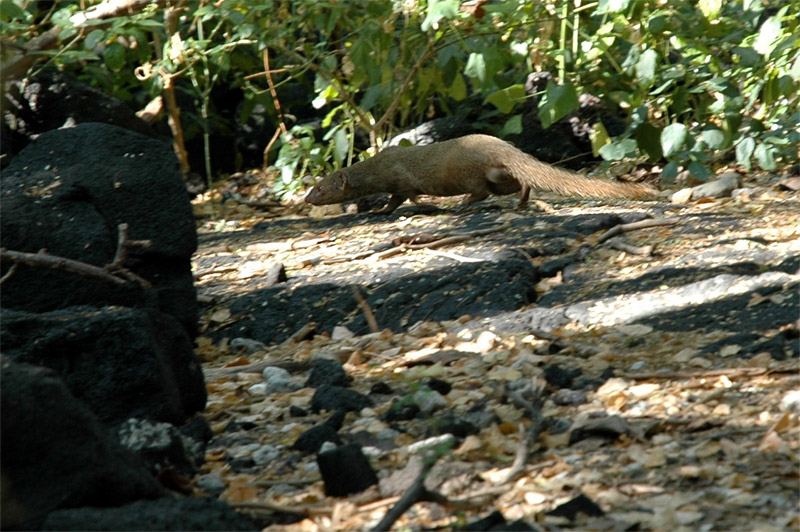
[719, 188]
[243, 451]
[274, 372]
[296, 411]
[380, 388]
[327, 371]
[211, 483]
[429, 401]
[258, 388]
[341, 333]
[391, 434]
[639, 365]
[335, 398]
[439, 385]
[564, 397]
[345, 470]
[266, 454]
[430, 443]
[700, 362]
[278, 380]
[742, 194]
[790, 402]
[682, 196]
[247, 344]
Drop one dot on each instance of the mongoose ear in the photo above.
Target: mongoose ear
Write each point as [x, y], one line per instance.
[339, 180]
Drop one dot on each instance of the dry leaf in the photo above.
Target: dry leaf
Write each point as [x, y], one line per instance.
[656, 458]
[729, 350]
[505, 374]
[220, 315]
[756, 299]
[771, 442]
[240, 489]
[239, 361]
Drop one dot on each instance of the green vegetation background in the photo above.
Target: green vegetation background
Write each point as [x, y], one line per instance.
[702, 82]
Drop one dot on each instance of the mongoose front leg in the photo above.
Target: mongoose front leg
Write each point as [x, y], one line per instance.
[394, 202]
[477, 196]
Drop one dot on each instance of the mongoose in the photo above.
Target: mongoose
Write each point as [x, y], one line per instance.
[477, 165]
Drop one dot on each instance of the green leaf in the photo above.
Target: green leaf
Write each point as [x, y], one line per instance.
[458, 90]
[744, 150]
[341, 146]
[657, 24]
[505, 99]
[786, 85]
[61, 17]
[328, 94]
[765, 155]
[669, 173]
[11, 11]
[93, 39]
[449, 69]
[699, 171]
[558, 101]
[150, 23]
[438, 10]
[371, 97]
[611, 6]
[710, 8]
[513, 126]
[646, 68]
[328, 120]
[649, 141]
[476, 67]
[638, 116]
[767, 36]
[747, 56]
[672, 138]
[598, 135]
[618, 150]
[713, 137]
[114, 56]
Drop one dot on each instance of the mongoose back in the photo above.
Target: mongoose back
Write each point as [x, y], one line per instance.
[477, 165]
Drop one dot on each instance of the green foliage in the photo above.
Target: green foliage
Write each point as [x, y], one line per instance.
[705, 83]
[701, 82]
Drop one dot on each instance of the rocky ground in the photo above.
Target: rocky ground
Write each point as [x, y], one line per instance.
[602, 366]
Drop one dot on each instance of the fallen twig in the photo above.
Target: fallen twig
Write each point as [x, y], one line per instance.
[415, 493]
[726, 372]
[618, 244]
[288, 481]
[114, 273]
[642, 224]
[347, 258]
[301, 334]
[520, 457]
[437, 243]
[454, 256]
[368, 315]
[272, 507]
[292, 366]
[9, 273]
[584, 350]
[461, 237]
[215, 271]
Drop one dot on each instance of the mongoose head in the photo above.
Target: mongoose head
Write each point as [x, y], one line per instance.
[331, 189]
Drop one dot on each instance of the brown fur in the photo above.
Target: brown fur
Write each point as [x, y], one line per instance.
[477, 165]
